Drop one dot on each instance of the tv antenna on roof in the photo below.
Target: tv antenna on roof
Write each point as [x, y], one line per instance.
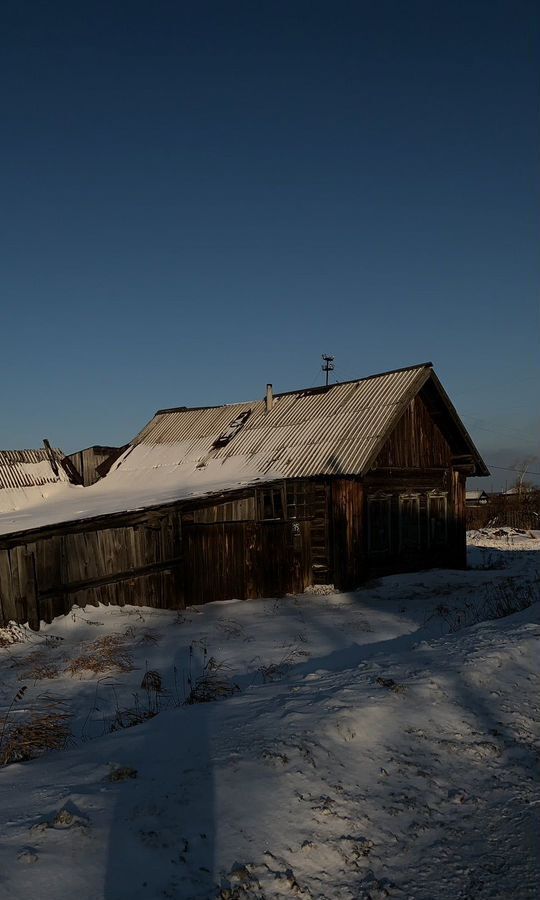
[328, 365]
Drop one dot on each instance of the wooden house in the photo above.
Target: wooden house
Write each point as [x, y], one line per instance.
[327, 485]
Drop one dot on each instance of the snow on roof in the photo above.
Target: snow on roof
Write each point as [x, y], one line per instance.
[322, 431]
[27, 477]
[188, 452]
[30, 468]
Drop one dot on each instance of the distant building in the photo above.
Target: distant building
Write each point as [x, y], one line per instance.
[476, 498]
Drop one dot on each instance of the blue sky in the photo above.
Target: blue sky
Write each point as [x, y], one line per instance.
[198, 198]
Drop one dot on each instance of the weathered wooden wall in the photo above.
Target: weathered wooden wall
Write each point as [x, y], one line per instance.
[417, 466]
[243, 509]
[317, 510]
[86, 462]
[164, 558]
[246, 560]
[195, 552]
[416, 442]
[348, 533]
[458, 527]
[138, 563]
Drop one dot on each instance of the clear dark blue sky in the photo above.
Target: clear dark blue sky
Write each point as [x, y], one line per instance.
[198, 198]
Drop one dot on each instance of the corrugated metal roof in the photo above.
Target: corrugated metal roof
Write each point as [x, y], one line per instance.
[329, 431]
[29, 468]
[192, 427]
[185, 453]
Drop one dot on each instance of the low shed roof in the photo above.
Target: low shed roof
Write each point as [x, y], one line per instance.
[31, 468]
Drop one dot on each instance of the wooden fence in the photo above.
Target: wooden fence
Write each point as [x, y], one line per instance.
[500, 516]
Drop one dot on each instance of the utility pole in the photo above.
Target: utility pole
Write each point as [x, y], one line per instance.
[328, 365]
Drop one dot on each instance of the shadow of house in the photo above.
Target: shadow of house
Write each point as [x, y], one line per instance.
[163, 830]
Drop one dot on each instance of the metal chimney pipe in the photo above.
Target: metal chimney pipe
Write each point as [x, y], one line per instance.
[269, 398]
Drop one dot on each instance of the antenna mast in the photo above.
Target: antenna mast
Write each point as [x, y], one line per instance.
[328, 365]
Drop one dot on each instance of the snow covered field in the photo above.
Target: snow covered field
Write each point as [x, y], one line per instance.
[374, 744]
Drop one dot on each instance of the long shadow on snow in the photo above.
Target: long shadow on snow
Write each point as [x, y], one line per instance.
[168, 813]
[162, 837]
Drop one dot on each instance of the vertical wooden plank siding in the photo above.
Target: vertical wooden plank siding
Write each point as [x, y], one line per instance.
[244, 560]
[416, 441]
[348, 533]
[136, 563]
[213, 560]
[459, 525]
[87, 461]
[8, 609]
[171, 556]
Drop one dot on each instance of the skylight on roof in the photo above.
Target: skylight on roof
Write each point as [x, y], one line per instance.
[234, 427]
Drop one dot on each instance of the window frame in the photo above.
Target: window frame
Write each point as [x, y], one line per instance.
[300, 497]
[378, 498]
[272, 492]
[437, 495]
[415, 496]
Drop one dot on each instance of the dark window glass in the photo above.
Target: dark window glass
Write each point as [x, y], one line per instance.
[437, 520]
[409, 522]
[272, 504]
[278, 505]
[379, 535]
[300, 500]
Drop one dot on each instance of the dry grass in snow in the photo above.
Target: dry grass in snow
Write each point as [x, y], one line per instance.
[372, 744]
[103, 655]
[29, 730]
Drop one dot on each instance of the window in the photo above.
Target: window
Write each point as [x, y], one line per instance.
[300, 500]
[379, 523]
[409, 522]
[437, 519]
[271, 504]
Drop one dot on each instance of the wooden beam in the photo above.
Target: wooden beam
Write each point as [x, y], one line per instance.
[127, 575]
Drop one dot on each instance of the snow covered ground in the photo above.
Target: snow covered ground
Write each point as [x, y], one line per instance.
[375, 744]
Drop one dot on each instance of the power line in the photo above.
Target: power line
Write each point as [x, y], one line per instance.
[506, 436]
[510, 431]
[507, 469]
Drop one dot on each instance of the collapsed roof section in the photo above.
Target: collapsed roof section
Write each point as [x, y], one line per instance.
[32, 468]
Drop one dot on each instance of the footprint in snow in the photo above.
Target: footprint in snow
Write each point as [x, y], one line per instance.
[27, 855]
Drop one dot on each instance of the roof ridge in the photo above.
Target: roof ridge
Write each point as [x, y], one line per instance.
[33, 450]
[320, 389]
[173, 409]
